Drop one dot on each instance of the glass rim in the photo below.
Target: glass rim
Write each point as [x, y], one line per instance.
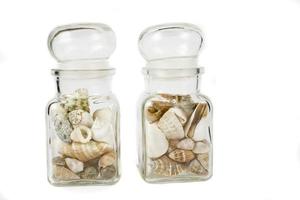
[173, 72]
[83, 73]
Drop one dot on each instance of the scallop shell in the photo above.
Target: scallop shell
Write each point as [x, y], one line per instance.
[170, 125]
[107, 159]
[62, 173]
[108, 172]
[182, 156]
[74, 165]
[80, 117]
[157, 144]
[103, 114]
[85, 152]
[201, 147]
[200, 112]
[81, 134]
[164, 166]
[204, 160]
[62, 128]
[102, 131]
[196, 168]
[187, 144]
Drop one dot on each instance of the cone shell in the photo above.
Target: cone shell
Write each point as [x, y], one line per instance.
[170, 125]
[182, 156]
[80, 117]
[187, 144]
[85, 152]
[81, 134]
[200, 112]
[164, 166]
[107, 159]
[62, 173]
[196, 168]
[157, 144]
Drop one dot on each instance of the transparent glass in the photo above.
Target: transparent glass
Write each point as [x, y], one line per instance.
[175, 129]
[83, 130]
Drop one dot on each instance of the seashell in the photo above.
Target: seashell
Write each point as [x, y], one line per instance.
[77, 100]
[164, 166]
[60, 161]
[157, 144]
[202, 129]
[196, 168]
[74, 165]
[108, 172]
[103, 114]
[80, 117]
[92, 163]
[81, 134]
[201, 147]
[187, 144]
[173, 145]
[204, 160]
[62, 128]
[152, 114]
[62, 173]
[180, 114]
[102, 131]
[170, 125]
[200, 112]
[182, 156]
[56, 109]
[89, 173]
[85, 152]
[107, 159]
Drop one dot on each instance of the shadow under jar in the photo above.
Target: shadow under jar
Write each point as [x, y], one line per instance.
[175, 119]
[83, 119]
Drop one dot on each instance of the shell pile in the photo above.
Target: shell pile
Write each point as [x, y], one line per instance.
[86, 140]
[177, 136]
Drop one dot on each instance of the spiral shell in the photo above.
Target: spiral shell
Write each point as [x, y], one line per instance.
[85, 152]
[164, 166]
[182, 156]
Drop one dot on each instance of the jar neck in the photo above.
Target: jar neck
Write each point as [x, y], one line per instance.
[96, 83]
[173, 81]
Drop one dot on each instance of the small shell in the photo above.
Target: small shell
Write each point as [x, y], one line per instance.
[85, 152]
[74, 165]
[157, 144]
[200, 112]
[107, 159]
[182, 156]
[102, 131]
[201, 147]
[89, 173]
[78, 100]
[187, 144]
[202, 129]
[80, 117]
[204, 160]
[180, 114]
[62, 173]
[62, 128]
[60, 161]
[170, 125]
[108, 172]
[103, 114]
[81, 134]
[154, 112]
[196, 168]
[164, 166]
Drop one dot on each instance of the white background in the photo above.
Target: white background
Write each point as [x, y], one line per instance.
[252, 60]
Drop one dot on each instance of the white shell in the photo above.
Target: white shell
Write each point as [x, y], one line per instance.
[187, 144]
[201, 147]
[180, 115]
[102, 131]
[157, 144]
[170, 125]
[74, 165]
[81, 134]
[103, 114]
[202, 129]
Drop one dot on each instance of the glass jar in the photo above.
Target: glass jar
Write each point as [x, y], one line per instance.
[175, 119]
[83, 119]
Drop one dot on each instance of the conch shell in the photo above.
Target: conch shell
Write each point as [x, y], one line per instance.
[170, 125]
[62, 173]
[85, 152]
[157, 144]
[164, 166]
[80, 117]
[81, 134]
[182, 156]
[200, 112]
[107, 159]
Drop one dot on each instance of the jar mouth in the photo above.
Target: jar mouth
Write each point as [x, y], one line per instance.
[83, 73]
[173, 72]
